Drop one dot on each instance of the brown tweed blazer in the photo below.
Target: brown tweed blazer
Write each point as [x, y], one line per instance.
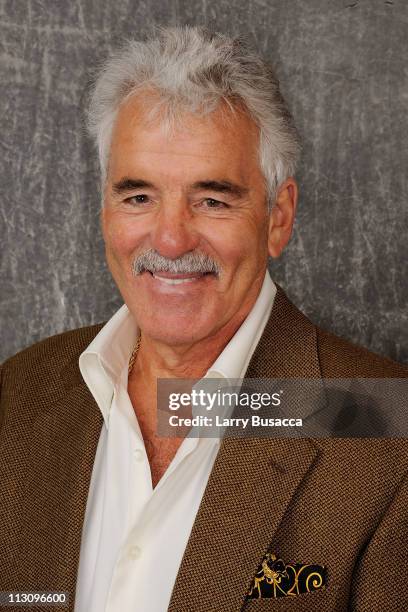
[341, 503]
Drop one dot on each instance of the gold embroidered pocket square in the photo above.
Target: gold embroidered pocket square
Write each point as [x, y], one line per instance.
[275, 578]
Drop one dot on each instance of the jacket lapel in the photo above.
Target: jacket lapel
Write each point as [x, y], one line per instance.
[64, 442]
[252, 481]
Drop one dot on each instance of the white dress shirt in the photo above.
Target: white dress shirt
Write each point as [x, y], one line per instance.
[134, 536]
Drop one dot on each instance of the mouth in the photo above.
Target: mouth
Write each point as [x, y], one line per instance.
[169, 278]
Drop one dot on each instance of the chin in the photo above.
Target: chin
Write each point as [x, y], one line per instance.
[175, 331]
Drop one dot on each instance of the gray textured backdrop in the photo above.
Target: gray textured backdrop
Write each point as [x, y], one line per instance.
[343, 67]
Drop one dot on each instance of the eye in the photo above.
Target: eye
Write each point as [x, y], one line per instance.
[141, 198]
[213, 204]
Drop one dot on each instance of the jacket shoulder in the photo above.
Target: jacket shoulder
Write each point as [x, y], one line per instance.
[340, 358]
[64, 346]
[39, 374]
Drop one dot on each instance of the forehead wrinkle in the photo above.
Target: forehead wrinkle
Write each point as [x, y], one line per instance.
[181, 154]
[135, 117]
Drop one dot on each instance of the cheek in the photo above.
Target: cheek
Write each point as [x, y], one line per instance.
[239, 246]
[120, 236]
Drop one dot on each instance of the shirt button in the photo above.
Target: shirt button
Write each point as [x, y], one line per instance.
[134, 553]
[138, 454]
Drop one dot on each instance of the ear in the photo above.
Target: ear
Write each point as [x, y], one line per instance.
[282, 217]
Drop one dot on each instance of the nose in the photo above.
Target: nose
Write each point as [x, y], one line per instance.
[173, 233]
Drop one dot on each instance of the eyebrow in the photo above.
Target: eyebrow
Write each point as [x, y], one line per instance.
[221, 187]
[128, 184]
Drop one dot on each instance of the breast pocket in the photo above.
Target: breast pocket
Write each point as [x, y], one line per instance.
[316, 601]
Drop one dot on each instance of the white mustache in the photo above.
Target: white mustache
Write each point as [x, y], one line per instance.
[189, 263]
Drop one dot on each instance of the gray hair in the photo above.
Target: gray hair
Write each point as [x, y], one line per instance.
[194, 69]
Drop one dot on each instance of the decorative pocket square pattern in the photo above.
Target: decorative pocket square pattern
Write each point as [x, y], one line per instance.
[275, 578]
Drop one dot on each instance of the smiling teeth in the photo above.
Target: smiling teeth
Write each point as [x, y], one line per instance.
[174, 281]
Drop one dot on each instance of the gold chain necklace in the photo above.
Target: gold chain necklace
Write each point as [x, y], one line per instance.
[134, 355]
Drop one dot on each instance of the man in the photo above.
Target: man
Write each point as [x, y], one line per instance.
[197, 153]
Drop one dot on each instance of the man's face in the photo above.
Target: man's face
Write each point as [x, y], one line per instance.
[197, 190]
